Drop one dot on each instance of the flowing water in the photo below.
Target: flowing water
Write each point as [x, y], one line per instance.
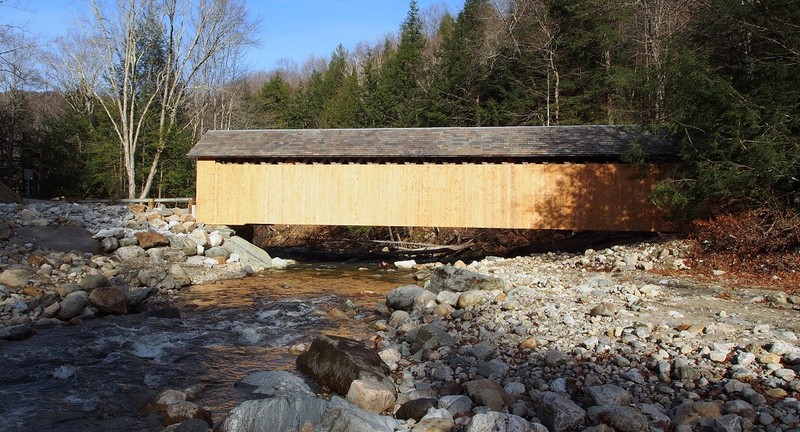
[98, 375]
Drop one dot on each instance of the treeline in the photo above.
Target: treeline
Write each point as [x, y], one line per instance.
[721, 75]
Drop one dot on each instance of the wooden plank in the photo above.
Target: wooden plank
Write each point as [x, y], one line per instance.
[538, 196]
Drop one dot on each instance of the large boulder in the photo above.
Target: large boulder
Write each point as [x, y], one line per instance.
[341, 416]
[275, 414]
[337, 362]
[559, 413]
[277, 383]
[449, 278]
[249, 254]
[407, 297]
[111, 299]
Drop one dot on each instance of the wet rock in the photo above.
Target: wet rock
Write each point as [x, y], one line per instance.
[416, 408]
[182, 411]
[137, 296]
[336, 362]
[559, 413]
[16, 332]
[274, 414]
[450, 278]
[277, 383]
[486, 392]
[191, 425]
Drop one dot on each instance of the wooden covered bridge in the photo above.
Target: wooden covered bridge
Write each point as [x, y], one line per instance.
[564, 177]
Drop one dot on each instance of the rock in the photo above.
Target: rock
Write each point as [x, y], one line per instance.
[434, 425]
[274, 414]
[603, 309]
[430, 337]
[398, 317]
[151, 239]
[740, 408]
[182, 411]
[110, 299]
[456, 405]
[408, 297]
[183, 243]
[220, 254]
[621, 418]
[151, 276]
[371, 395]
[341, 416]
[249, 254]
[607, 394]
[450, 278]
[191, 425]
[498, 422]
[15, 277]
[5, 230]
[109, 244]
[16, 332]
[66, 289]
[72, 305]
[277, 383]
[690, 413]
[486, 392]
[92, 281]
[470, 299]
[405, 265]
[215, 238]
[728, 423]
[336, 362]
[415, 408]
[559, 413]
[136, 296]
[555, 358]
[126, 253]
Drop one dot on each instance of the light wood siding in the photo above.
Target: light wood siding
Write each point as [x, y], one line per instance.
[536, 196]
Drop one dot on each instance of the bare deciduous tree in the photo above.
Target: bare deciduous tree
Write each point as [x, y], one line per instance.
[197, 43]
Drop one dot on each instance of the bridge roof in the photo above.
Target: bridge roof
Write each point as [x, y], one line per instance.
[449, 142]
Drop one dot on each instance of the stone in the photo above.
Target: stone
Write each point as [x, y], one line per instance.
[16, 332]
[370, 395]
[559, 413]
[398, 317]
[431, 336]
[408, 297]
[191, 425]
[621, 418]
[274, 414]
[405, 265]
[727, 423]
[341, 416]
[607, 394]
[72, 305]
[137, 296]
[555, 358]
[785, 374]
[15, 277]
[182, 411]
[183, 243]
[109, 244]
[450, 278]
[740, 408]
[151, 239]
[485, 392]
[690, 413]
[92, 281]
[277, 383]
[126, 253]
[498, 422]
[5, 230]
[215, 238]
[603, 309]
[416, 408]
[249, 254]
[470, 299]
[456, 405]
[336, 362]
[111, 299]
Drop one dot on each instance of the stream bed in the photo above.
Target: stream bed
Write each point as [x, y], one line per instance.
[97, 376]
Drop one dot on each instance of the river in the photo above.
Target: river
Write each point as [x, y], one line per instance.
[98, 375]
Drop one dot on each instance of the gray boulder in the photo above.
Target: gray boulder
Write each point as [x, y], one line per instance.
[72, 305]
[498, 422]
[406, 297]
[485, 392]
[608, 394]
[249, 254]
[277, 383]
[342, 416]
[275, 414]
[15, 277]
[125, 253]
[430, 337]
[559, 413]
[449, 278]
[621, 418]
[111, 299]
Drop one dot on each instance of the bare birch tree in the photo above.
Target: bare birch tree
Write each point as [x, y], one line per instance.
[106, 57]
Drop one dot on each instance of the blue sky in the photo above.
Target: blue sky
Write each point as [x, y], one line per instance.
[293, 29]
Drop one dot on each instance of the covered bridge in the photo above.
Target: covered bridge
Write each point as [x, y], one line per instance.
[562, 177]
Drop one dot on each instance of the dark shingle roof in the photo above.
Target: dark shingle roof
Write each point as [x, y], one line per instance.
[450, 142]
